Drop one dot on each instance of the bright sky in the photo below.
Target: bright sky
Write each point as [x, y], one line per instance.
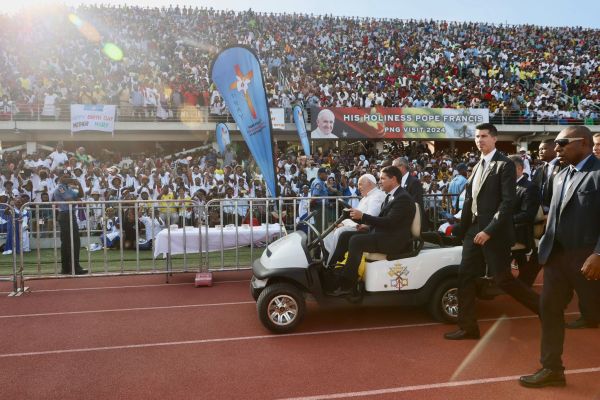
[548, 12]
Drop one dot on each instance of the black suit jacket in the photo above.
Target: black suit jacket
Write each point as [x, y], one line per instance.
[392, 225]
[494, 201]
[414, 187]
[576, 225]
[527, 203]
[544, 183]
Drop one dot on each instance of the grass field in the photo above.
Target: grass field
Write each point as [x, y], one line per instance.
[47, 262]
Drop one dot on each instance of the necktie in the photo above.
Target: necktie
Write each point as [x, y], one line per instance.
[566, 184]
[545, 180]
[553, 169]
[477, 186]
[387, 199]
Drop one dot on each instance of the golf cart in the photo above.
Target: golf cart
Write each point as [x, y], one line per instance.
[290, 271]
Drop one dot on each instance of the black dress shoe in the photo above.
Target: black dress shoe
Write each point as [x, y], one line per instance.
[81, 271]
[462, 335]
[581, 323]
[543, 377]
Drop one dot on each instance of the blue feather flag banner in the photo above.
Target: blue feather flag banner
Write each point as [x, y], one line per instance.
[301, 127]
[222, 134]
[238, 77]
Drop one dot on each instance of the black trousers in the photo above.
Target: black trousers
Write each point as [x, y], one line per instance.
[528, 270]
[473, 266]
[66, 227]
[355, 243]
[562, 275]
[342, 246]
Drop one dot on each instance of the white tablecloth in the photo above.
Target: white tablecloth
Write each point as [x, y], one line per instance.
[216, 236]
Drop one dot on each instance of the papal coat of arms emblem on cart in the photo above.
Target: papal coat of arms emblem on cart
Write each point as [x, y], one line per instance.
[398, 273]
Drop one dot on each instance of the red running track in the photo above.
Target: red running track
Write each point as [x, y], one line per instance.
[138, 338]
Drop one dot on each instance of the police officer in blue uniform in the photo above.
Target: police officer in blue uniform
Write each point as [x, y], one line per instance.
[68, 223]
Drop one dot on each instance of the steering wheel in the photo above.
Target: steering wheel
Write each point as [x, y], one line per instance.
[305, 221]
[319, 236]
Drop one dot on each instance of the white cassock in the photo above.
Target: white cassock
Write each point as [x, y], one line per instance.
[369, 204]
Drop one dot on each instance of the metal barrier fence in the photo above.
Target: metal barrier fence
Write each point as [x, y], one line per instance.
[8, 271]
[127, 237]
[439, 208]
[130, 113]
[110, 233]
[286, 212]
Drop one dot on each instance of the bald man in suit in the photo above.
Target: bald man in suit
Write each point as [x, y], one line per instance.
[569, 250]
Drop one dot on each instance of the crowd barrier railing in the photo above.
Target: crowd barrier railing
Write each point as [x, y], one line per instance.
[109, 232]
[133, 237]
[192, 113]
[439, 208]
[125, 113]
[128, 237]
[8, 265]
[285, 212]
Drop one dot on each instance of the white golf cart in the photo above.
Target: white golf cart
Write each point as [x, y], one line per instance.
[287, 274]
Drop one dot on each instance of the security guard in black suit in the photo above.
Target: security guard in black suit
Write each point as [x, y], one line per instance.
[68, 223]
[488, 230]
[543, 178]
[544, 174]
[527, 203]
[413, 186]
[569, 250]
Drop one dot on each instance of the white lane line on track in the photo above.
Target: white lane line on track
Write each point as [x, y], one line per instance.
[139, 286]
[238, 338]
[126, 309]
[431, 386]
[124, 287]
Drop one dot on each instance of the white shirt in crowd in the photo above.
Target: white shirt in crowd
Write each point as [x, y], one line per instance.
[49, 108]
[152, 226]
[41, 185]
[58, 158]
[311, 172]
[403, 181]
[353, 192]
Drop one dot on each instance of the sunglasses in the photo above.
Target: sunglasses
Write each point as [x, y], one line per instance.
[565, 141]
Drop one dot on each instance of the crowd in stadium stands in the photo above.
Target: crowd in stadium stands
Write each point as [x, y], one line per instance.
[204, 175]
[529, 73]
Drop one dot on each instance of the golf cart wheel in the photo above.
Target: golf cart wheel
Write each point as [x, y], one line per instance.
[444, 304]
[281, 307]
